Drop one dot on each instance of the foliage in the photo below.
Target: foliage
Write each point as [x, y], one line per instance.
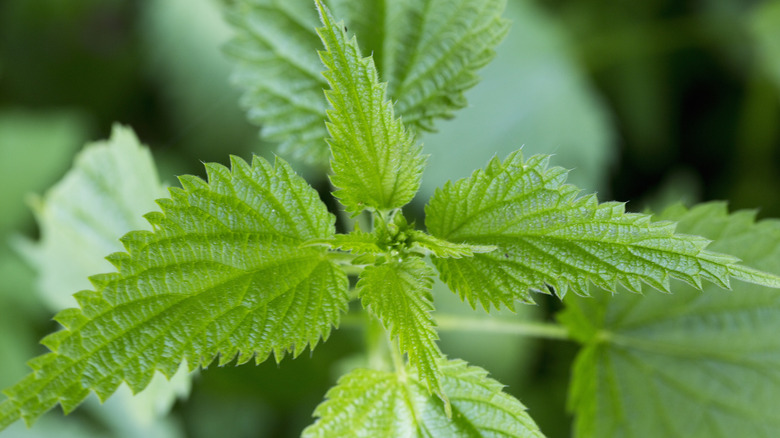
[427, 52]
[389, 404]
[652, 357]
[247, 263]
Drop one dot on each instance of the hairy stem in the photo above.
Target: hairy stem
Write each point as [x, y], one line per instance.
[378, 348]
[398, 357]
[451, 322]
[502, 325]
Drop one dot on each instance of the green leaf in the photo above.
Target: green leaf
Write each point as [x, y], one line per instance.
[690, 364]
[549, 238]
[427, 51]
[81, 218]
[399, 294]
[104, 195]
[376, 163]
[369, 403]
[222, 274]
[275, 52]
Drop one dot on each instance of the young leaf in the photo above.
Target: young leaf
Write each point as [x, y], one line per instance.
[548, 237]
[222, 274]
[369, 403]
[376, 162]
[427, 51]
[690, 364]
[399, 294]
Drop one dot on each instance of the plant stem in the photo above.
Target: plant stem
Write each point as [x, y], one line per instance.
[380, 355]
[453, 323]
[502, 325]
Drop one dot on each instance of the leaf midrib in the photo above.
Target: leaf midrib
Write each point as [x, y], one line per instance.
[83, 359]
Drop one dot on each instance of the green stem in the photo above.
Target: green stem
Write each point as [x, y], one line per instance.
[352, 269]
[398, 357]
[502, 325]
[472, 324]
[380, 352]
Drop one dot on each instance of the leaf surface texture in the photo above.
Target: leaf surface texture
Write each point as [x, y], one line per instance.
[427, 52]
[223, 274]
[370, 403]
[103, 196]
[376, 162]
[549, 238]
[691, 364]
[399, 294]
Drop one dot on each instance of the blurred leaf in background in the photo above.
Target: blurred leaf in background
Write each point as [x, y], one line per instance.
[508, 356]
[35, 148]
[687, 364]
[765, 25]
[757, 163]
[533, 95]
[690, 103]
[18, 339]
[81, 218]
[111, 185]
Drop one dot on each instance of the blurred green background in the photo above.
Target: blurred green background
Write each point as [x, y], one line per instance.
[651, 102]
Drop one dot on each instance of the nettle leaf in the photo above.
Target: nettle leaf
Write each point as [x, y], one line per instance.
[427, 51]
[111, 185]
[370, 403]
[223, 274]
[275, 52]
[103, 196]
[690, 364]
[399, 294]
[549, 238]
[376, 162]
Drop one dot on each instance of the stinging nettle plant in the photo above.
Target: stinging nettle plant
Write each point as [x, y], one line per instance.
[248, 263]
